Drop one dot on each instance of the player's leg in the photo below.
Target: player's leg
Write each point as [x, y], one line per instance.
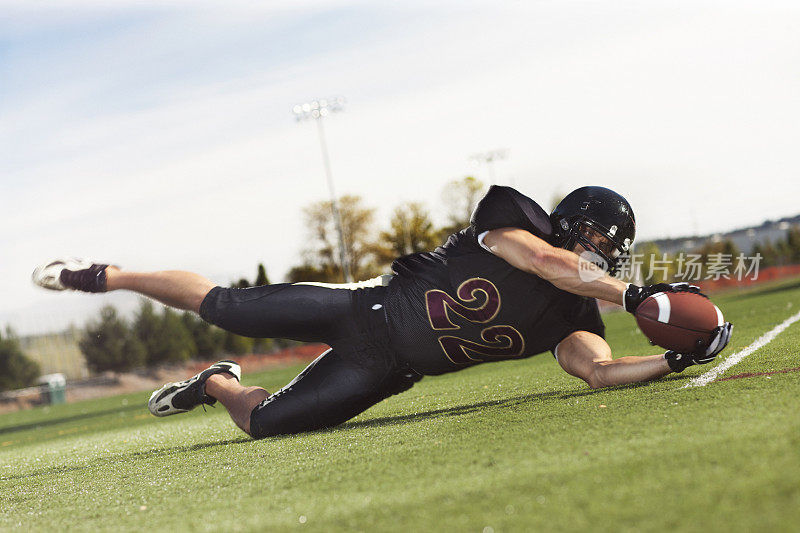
[332, 389]
[183, 396]
[237, 399]
[180, 289]
[300, 312]
[304, 312]
[184, 290]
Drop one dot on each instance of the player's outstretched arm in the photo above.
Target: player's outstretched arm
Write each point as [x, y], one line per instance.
[562, 268]
[588, 356]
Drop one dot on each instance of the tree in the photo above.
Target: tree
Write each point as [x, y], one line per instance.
[261, 279]
[164, 337]
[180, 346]
[209, 340]
[460, 197]
[147, 328]
[710, 253]
[321, 259]
[792, 248]
[109, 344]
[309, 272]
[784, 251]
[261, 276]
[241, 284]
[769, 255]
[410, 231]
[655, 266]
[16, 369]
[236, 344]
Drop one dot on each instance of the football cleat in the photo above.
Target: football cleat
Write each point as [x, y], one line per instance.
[74, 274]
[183, 396]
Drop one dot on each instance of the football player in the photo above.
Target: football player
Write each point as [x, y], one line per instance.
[517, 282]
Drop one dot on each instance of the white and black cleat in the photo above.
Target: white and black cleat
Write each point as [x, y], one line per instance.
[183, 396]
[71, 274]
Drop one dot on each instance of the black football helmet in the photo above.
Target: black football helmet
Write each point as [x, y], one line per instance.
[595, 210]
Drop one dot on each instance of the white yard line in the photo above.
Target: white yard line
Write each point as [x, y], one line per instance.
[763, 340]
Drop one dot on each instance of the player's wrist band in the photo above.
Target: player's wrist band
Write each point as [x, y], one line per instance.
[678, 362]
[628, 295]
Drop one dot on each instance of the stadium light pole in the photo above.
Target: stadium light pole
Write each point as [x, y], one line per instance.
[489, 158]
[317, 110]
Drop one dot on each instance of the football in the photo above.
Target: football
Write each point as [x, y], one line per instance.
[676, 320]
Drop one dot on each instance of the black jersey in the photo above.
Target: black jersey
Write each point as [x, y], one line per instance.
[461, 305]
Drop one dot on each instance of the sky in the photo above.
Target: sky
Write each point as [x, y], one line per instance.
[159, 135]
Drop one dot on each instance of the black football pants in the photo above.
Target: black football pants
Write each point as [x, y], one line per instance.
[358, 371]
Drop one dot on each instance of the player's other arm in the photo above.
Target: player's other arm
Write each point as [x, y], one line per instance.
[529, 253]
[588, 356]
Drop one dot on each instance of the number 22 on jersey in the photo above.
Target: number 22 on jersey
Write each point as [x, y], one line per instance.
[479, 303]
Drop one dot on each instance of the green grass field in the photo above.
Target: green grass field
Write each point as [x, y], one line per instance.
[514, 446]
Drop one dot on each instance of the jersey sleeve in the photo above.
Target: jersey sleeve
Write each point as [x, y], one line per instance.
[585, 316]
[503, 207]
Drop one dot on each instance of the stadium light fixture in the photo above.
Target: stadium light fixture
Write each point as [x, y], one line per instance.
[317, 110]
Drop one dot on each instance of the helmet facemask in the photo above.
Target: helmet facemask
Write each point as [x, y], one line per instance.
[597, 240]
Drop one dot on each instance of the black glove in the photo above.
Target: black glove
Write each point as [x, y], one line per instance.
[635, 295]
[704, 353]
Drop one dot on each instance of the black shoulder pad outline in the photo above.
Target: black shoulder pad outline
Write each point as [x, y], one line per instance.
[506, 207]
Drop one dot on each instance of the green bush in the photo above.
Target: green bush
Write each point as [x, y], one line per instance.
[165, 337]
[16, 369]
[209, 340]
[109, 344]
[237, 345]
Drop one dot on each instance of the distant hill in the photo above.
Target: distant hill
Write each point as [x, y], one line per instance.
[743, 238]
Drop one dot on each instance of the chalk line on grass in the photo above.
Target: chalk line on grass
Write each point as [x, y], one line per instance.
[704, 379]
